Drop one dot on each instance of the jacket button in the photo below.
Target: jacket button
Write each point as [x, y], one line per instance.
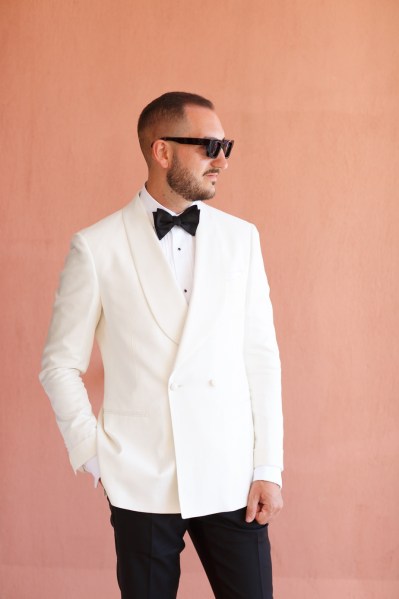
[212, 383]
[173, 386]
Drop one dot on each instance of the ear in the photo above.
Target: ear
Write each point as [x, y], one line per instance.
[162, 153]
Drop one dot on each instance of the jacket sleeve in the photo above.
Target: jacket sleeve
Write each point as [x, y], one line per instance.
[263, 368]
[66, 356]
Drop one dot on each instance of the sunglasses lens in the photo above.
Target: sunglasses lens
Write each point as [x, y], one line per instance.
[227, 146]
[215, 145]
[213, 148]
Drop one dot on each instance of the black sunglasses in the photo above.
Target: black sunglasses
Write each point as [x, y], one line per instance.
[213, 146]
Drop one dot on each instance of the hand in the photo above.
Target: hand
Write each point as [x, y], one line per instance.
[264, 502]
[92, 467]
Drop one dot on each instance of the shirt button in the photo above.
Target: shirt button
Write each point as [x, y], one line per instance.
[212, 383]
[173, 386]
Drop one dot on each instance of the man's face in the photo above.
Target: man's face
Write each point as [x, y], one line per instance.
[192, 174]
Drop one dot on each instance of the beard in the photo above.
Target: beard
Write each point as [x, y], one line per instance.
[184, 183]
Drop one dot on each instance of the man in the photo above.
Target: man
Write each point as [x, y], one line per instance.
[189, 437]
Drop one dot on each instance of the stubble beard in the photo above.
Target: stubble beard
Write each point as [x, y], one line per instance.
[183, 183]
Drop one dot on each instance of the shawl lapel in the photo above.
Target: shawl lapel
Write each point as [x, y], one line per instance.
[209, 285]
[164, 298]
[187, 326]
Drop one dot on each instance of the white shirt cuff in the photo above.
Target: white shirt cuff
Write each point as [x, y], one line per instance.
[272, 474]
[93, 467]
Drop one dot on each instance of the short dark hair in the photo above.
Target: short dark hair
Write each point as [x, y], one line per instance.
[168, 107]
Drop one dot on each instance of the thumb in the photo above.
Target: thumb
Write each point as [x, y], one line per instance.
[251, 508]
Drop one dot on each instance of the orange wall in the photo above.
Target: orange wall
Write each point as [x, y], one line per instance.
[310, 91]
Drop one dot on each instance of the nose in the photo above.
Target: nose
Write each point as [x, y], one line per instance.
[220, 161]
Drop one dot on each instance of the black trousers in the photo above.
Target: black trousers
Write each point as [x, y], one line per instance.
[235, 554]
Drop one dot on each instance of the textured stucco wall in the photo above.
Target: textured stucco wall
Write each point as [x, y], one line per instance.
[310, 91]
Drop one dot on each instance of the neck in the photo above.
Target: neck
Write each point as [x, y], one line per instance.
[167, 197]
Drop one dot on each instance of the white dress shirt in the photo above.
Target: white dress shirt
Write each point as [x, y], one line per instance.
[179, 249]
[177, 245]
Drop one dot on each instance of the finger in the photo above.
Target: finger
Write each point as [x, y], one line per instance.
[266, 515]
[252, 508]
[263, 515]
[262, 518]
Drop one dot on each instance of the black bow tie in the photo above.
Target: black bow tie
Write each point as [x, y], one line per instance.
[188, 220]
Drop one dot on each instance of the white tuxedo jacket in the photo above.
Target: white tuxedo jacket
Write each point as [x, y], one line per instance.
[192, 396]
